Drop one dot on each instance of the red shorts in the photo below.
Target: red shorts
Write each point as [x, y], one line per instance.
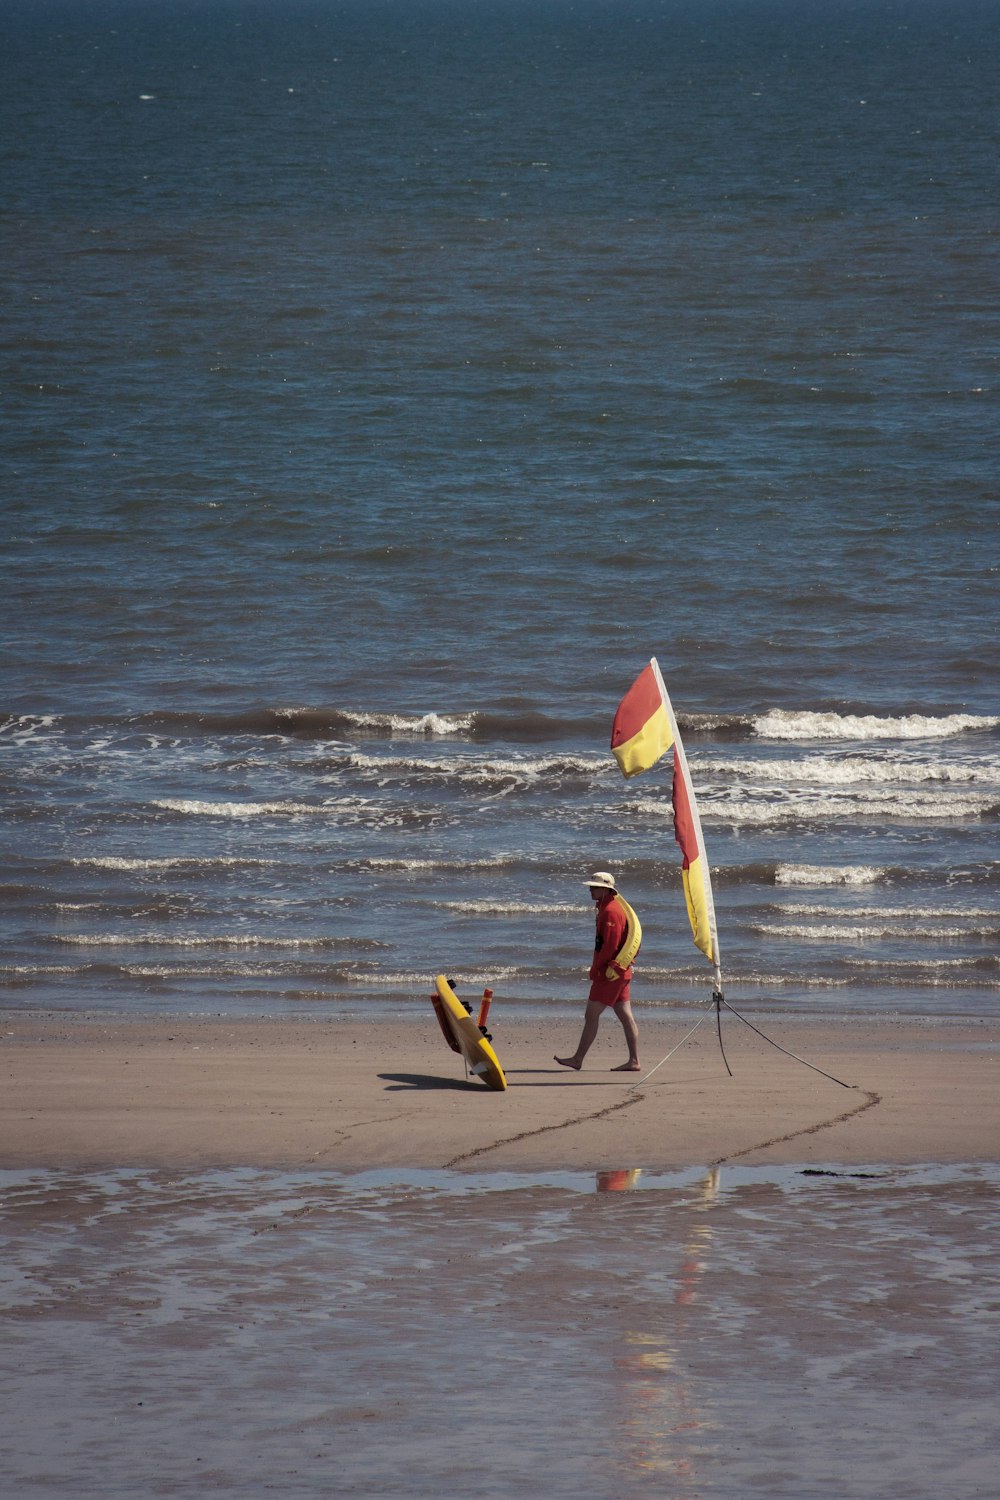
[610, 991]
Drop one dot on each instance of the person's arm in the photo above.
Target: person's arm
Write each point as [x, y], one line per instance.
[612, 924]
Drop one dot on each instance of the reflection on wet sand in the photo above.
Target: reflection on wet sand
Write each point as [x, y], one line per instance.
[676, 1337]
[618, 1181]
[663, 1412]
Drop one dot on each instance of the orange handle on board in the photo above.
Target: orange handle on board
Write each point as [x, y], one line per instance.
[484, 1008]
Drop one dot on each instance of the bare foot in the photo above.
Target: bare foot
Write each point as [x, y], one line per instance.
[629, 1067]
[568, 1062]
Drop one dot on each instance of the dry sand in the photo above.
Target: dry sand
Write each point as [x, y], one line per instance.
[95, 1091]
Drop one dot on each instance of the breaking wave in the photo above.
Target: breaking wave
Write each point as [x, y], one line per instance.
[935, 971]
[775, 809]
[167, 862]
[512, 908]
[847, 930]
[496, 776]
[198, 808]
[221, 940]
[524, 727]
[892, 913]
[421, 864]
[346, 810]
[985, 874]
[850, 770]
[828, 874]
[787, 724]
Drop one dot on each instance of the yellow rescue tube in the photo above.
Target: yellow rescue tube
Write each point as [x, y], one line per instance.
[625, 956]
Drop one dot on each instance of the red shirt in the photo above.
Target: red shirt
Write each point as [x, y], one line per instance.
[612, 925]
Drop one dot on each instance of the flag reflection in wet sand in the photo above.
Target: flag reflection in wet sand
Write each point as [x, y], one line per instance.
[662, 1411]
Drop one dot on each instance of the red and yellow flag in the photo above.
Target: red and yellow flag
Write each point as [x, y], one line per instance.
[694, 870]
[644, 729]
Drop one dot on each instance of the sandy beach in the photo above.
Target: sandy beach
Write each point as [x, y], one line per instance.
[93, 1092]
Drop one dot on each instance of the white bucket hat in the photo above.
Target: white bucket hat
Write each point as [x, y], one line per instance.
[602, 878]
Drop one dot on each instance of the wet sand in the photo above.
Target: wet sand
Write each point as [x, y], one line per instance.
[311, 1259]
[736, 1334]
[96, 1092]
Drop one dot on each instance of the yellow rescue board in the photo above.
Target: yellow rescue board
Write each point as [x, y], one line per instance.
[463, 1035]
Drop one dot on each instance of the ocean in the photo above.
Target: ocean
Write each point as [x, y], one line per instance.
[383, 384]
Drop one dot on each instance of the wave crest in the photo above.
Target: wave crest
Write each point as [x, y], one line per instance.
[828, 874]
[788, 724]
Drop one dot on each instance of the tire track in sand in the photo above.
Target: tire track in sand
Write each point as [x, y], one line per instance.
[871, 1100]
[510, 1140]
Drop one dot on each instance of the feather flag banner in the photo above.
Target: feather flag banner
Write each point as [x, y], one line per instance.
[644, 729]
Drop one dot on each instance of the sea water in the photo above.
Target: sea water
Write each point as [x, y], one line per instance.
[383, 384]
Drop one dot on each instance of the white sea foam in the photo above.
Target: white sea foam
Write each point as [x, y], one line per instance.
[891, 767]
[423, 984]
[166, 862]
[784, 724]
[418, 866]
[779, 981]
[828, 874]
[197, 808]
[467, 768]
[415, 866]
[23, 728]
[20, 971]
[511, 908]
[773, 808]
[255, 970]
[952, 970]
[865, 931]
[735, 980]
[219, 940]
[420, 724]
[894, 913]
[346, 810]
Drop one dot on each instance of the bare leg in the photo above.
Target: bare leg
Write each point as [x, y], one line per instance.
[623, 1010]
[591, 1021]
